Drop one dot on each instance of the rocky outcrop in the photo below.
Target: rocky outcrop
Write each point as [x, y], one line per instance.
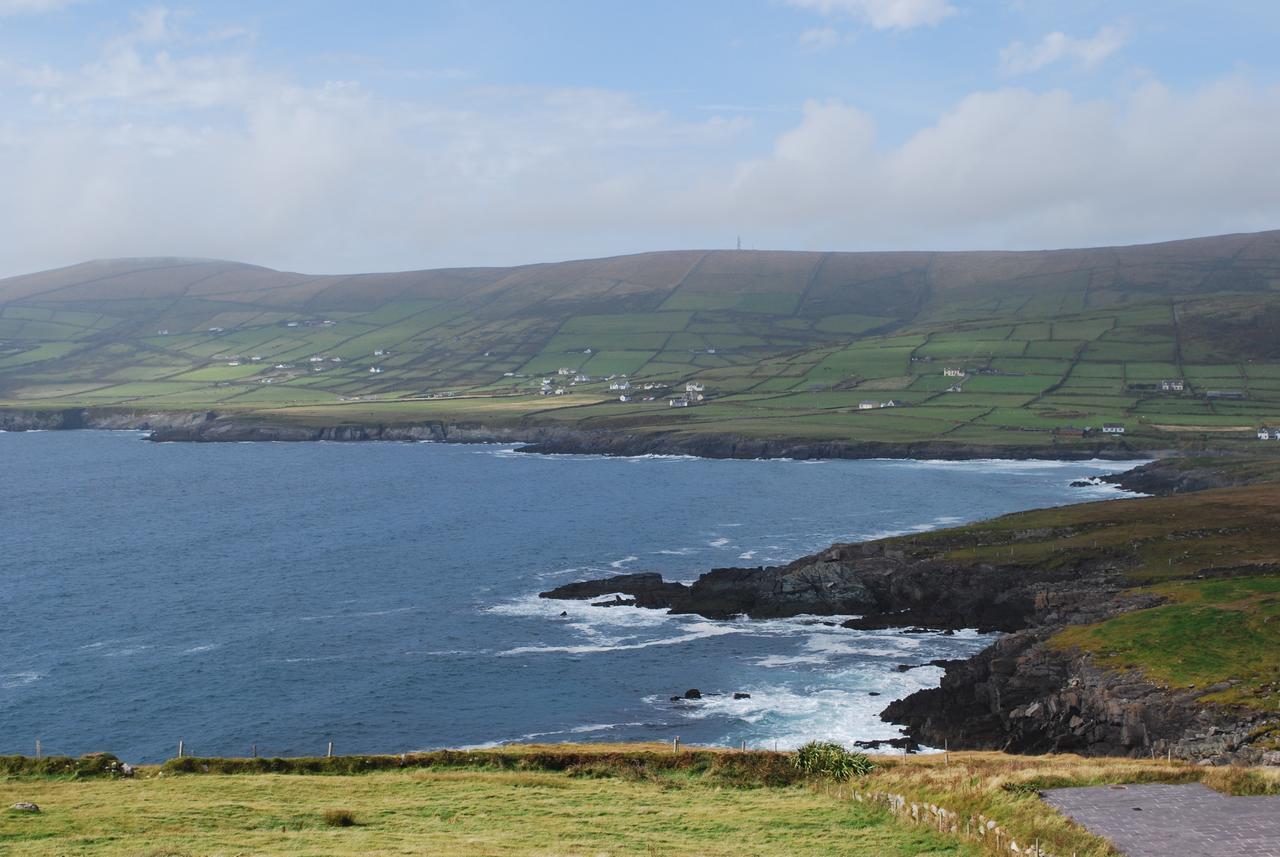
[1023, 695]
[646, 589]
[1020, 694]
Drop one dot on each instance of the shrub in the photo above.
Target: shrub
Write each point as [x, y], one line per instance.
[339, 817]
[822, 758]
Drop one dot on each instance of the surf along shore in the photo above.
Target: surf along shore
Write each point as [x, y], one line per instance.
[1138, 627]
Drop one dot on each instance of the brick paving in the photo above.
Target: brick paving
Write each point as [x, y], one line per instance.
[1175, 821]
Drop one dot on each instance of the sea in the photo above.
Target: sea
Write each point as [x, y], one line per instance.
[384, 596]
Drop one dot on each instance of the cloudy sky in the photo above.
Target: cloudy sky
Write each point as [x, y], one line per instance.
[333, 137]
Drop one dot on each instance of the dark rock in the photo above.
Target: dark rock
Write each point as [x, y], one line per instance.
[647, 589]
[741, 695]
[693, 693]
[873, 693]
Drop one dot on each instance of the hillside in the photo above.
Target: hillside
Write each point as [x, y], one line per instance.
[787, 344]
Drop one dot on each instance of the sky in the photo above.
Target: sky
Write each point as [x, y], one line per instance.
[330, 137]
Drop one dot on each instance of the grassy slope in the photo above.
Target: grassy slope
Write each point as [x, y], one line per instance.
[799, 340]
[625, 803]
[1214, 556]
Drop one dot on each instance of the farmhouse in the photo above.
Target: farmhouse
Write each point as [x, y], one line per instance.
[694, 387]
[564, 371]
[1112, 428]
[1269, 434]
[1172, 385]
[951, 372]
[867, 405]
[581, 378]
[624, 398]
[955, 388]
[681, 402]
[620, 385]
[375, 370]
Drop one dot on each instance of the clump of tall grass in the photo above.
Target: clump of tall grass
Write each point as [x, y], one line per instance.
[339, 818]
[825, 759]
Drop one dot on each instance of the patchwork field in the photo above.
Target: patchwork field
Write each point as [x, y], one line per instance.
[1175, 343]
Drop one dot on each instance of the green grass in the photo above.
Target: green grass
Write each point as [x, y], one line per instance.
[1213, 631]
[570, 799]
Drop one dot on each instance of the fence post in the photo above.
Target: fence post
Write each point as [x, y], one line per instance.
[38, 750]
[180, 748]
[329, 753]
[255, 751]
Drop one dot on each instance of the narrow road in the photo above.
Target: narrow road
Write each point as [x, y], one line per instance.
[1175, 820]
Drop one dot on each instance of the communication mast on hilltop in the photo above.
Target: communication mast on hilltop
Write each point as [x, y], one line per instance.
[739, 242]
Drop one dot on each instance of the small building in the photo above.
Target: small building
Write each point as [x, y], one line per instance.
[375, 370]
[564, 371]
[694, 387]
[624, 398]
[335, 359]
[1172, 385]
[695, 397]
[892, 403]
[620, 385]
[867, 405]
[233, 362]
[381, 352]
[560, 391]
[955, 388]
[1269, 434]
[164, 332]
[681, 402]
[581, 378]
[951, 372]
[316, 359]
[1112, 428]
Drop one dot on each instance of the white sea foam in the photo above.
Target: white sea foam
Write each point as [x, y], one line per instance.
[677, 551]
[747, 555]
[718, 543]
[622, 563]
[195, 650]
[9, 681]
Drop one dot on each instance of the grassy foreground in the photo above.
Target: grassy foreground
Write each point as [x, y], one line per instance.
[527, 801]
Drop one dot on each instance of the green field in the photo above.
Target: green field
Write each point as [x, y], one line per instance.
[584, 800]
[1039, 351]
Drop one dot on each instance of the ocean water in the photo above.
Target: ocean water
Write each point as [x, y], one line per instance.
[383, 596]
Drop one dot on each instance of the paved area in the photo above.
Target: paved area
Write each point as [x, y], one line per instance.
[1175, 821]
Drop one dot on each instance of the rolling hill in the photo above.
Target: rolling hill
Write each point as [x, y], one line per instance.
[811, 346]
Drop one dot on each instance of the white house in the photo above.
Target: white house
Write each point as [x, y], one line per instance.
[375, 370]
[953, 373]
[679, 403]
[624, 398]
[560, 391]
[620, 385]
[1172, 385]
[867, 405]
[694, 387]
[381, 352]
[315, 359]
[563, 370]
[581, 378]
[1112, 428]
[1269, 434]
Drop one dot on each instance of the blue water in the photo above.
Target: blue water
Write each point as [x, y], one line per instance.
[382, 596]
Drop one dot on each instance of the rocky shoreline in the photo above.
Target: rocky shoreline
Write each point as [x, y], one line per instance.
[1021, 694]
[214, 427]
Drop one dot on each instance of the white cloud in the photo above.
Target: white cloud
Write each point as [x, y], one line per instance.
[819, 39]
[1015, 168]
[187, 146]
[884, 14]
[1019, 58]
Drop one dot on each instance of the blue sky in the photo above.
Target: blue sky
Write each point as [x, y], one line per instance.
[326, 136]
